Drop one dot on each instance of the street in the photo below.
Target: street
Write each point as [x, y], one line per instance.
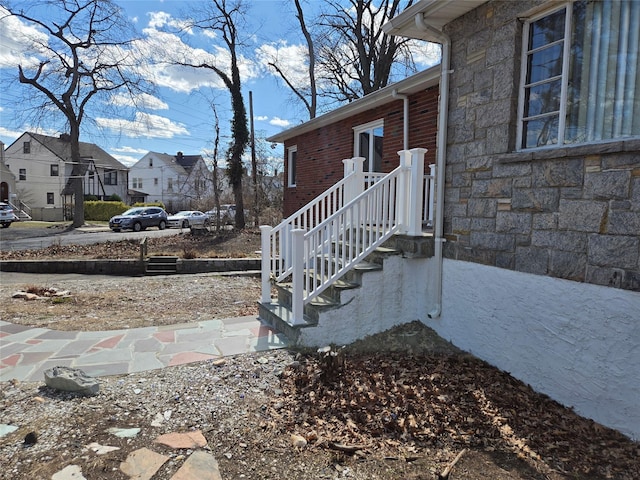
[21, 237]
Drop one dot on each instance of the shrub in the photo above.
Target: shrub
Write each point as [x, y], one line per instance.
[103, 211]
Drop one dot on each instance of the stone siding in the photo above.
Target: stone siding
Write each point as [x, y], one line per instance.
[570, 212]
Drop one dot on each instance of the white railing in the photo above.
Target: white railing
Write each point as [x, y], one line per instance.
[325, 239]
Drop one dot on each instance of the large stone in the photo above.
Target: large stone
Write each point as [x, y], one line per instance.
[200, 465]
[71, 380]
[70, 472]
[182, 440]
[142, 464]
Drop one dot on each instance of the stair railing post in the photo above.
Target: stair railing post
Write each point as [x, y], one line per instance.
[265, 263]
[402, 192]
[348, 170]
[416, 191]
[297, 293]
[432, 191]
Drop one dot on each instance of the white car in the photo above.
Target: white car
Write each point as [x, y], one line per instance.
[188, 219]
[6, 215]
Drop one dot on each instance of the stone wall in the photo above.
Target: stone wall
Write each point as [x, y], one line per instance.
[571, 212]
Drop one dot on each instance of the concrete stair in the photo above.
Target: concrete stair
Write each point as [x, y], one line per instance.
[161, 265]
[278, 313]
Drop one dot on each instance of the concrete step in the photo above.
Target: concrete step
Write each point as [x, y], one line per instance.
[161, 265]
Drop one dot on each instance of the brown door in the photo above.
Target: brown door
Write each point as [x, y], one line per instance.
[4, 192]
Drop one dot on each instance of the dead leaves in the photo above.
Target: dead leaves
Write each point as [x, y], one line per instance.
[395, 403]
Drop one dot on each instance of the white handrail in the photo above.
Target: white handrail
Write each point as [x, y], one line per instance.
[323, 240]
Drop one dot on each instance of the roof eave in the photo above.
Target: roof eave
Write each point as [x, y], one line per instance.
[415, 83]
[436, 13]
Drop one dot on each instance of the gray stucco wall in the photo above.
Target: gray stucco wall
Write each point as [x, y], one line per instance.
[571, 213]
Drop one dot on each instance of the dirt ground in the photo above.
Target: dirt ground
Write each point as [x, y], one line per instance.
[400, 405]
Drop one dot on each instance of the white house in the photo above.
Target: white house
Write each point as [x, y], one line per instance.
[178, 181]
[42, 166]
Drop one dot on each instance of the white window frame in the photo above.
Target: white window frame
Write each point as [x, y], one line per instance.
[565, 73]
[566, 59]
[366, 127]
[292, 161]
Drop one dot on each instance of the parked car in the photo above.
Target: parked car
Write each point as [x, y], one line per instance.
[188, 219]
[139, 218]
[227, 214]
[7, 217]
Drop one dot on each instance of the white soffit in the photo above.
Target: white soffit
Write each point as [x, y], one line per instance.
[436, 13]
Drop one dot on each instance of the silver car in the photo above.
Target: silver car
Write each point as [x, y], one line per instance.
[7, 217]
[188, 219]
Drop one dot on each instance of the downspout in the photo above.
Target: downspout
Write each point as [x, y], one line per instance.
[441, 154]
[405, 124]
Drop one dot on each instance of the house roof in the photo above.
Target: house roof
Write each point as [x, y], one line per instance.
[413, 84]
[187, 161]
[62, 149]
[436, 13]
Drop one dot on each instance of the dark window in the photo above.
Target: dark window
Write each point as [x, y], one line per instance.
[292, 165]
[111, 177]
[26, 147]
[54, 170]
[22, 174]
[50, 199]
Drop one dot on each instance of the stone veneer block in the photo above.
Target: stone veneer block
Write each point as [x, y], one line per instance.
[142, 464]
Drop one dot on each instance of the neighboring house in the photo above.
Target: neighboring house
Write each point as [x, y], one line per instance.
[402, 115]
[7, 180]
[43, 165]
[180, 182]
[535, 266]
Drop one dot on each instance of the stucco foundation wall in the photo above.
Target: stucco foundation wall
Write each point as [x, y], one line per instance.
[576, 342]
[402, 283]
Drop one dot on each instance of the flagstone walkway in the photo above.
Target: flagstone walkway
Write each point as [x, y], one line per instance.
[26, 352]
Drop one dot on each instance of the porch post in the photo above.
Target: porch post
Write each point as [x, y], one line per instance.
[432, 191]
[297, 294]
[416, 191]
[402, 191]
[265, 262]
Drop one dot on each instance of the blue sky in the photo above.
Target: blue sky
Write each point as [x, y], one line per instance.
[179, 115]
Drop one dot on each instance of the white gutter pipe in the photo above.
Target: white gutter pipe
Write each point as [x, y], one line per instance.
[405, 121]
[441, 155]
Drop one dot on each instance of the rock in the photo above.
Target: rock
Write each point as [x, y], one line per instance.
[19, 295]
[30, 438]
[39, 399]
[71, 380]
[298, 441]
[200, 465]
[101, 449]
[70, 472]
[123, 432]
[157, 420]
[6, 429]
[31, 296]
[182, 440]
[142, 464]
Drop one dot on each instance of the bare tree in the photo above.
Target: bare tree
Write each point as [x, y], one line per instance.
[348, 53]
[225, 17]
[86, 53]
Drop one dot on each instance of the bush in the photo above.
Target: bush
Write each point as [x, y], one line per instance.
[103, 211]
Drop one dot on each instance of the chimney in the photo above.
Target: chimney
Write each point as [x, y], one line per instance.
[65, 137]
[179, 155]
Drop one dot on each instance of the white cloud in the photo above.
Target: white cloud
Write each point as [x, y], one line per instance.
[158, 20]
[291, 59]
[260, 118]
[126, 160]
[140, 151]
[279, 122]
[141, 101]
[144, 125]
[20, 42]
